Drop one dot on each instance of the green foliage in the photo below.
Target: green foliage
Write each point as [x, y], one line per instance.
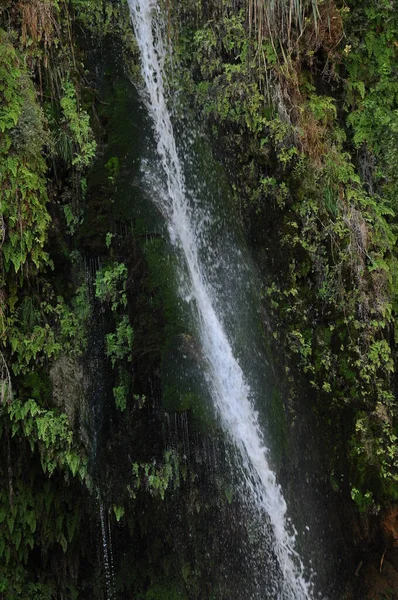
[78, 123]
[37, 347]
[120, 344]
[372, 98]
[47, 147]
[111, 290]
[347, 270]
[111, 286]
[73, 321]
[50, 432]
[35, 511]
[37, 514]
[120, 394]
[18, 587]
[104, 17]
[112, 167]
[24, 216]
[119, 512]
[226, 91]
[39, 331]
[108, 239]
[36, 323]
[330, 288]
[156, 478]
[72, 220]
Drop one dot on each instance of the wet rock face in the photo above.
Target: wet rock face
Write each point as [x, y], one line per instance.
[184, 383]
[380, 580]
[389, 527]
[69, 386]
[376, 577]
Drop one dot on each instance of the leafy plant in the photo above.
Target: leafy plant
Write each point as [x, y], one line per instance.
[111, 286]
[78, 123]
[120, 344]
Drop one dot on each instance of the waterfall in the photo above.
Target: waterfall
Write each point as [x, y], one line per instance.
[231, 393]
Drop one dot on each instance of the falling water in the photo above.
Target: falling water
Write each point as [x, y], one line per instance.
[232, 396]
[108, 555]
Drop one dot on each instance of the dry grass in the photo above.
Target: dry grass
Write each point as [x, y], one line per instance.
[312, 137]
[281, 21]
[38, 22]
[359, 240]
[5, 381]
[326, 36]
[358, 251]
[310, 133]
[298, 30]
[47, 47]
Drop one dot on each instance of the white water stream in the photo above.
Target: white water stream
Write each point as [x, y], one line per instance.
[230, 391]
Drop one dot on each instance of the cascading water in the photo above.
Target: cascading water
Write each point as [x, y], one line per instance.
[230, 391]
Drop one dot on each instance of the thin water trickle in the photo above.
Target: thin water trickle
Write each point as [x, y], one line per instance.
[232, 395]
[111, 560]
[108, 555]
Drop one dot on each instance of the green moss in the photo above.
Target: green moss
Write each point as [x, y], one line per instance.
[184, 387]
[163, 284]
